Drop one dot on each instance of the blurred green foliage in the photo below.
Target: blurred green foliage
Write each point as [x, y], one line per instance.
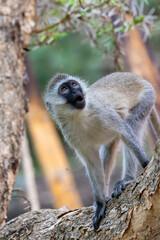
[96, 19]
[69, 55]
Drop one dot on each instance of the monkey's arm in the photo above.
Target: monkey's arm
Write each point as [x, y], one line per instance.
[130, 140]
[90, 159]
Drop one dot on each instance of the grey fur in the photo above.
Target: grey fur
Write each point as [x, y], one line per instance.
[117, 107]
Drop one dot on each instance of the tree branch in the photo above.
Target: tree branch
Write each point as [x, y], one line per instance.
[134, 215]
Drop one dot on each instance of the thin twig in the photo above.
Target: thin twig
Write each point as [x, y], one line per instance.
[81, 4]
[19, 190]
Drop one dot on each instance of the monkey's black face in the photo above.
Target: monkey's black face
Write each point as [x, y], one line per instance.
[72, 91]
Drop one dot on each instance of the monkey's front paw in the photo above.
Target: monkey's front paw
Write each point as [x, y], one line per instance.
[145, 163]
[119, 187]
[99, 214]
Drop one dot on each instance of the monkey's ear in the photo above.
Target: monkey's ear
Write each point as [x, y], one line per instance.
[48, 106]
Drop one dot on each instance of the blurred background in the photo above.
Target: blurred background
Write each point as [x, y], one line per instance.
[60, 178]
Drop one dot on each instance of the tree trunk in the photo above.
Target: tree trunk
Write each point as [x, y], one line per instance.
[16, 23]
[134, 215]
[140, 62]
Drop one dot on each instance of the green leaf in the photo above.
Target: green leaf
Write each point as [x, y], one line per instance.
[100, 33]
[71, 2]
[62, 1]
[42, 37]
[139, 19]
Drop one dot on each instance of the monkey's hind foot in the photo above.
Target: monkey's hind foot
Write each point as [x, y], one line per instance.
[145, 163]
[99, 214]
[119, 187]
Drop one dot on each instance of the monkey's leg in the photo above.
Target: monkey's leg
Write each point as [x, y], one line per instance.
[108, 156]
[133, 138]
[129, 171]
[131, 148]
[137, 123]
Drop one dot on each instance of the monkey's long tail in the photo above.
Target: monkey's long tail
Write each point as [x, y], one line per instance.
[155, 122]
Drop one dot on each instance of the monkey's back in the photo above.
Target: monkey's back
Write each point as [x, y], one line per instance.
[122, 91]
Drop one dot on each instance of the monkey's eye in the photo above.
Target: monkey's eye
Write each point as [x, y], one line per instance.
[64, 89]
[74, 84]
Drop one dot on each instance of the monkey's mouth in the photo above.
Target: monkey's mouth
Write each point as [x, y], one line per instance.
[79, 102]
[79, 99]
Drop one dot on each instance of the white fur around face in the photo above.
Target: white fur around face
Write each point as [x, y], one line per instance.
[54, 101]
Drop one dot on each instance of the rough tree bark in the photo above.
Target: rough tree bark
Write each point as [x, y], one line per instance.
[16, 23]
[134, 215]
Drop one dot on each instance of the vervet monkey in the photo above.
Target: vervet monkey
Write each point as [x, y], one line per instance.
[94, 119]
